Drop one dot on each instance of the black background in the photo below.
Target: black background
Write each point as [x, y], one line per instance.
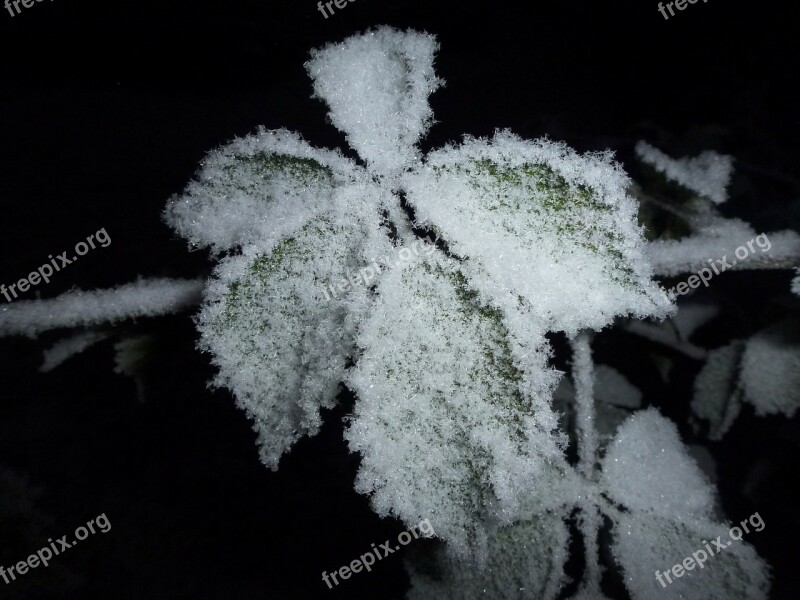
[107, 108]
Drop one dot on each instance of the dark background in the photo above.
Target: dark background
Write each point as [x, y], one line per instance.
[106, 109]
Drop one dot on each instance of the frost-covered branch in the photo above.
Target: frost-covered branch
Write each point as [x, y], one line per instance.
[583, 376]
[670, 257]
[144, 298]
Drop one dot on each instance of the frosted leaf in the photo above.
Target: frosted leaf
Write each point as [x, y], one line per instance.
[644, 544]
[546, 232]
[68, 347]
[444, 424]
[526, 560]
[131, 353]
[691, 317]
[770, 375]
[707, 174]
[647, 468]
[716, 397]
[280, 344]
[665, 333]
[144, 298]
[612, 387]
[262, 187]
[377, 86]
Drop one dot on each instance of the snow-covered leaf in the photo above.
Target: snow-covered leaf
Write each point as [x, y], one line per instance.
[707, 174]
[612, 387]
[647, 468]
[444, 423]
[644, 544]
[68, 347]
[377, 86]
[716, 396]
[770, 375]
[546, 231]
[260, 188]
[692, 316]
[526, 560]
[281, 345]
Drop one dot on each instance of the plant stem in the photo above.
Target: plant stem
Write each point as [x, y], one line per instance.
[583, 378]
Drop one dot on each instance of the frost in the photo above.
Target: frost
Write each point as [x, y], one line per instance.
[715, 239]
[377, 86]
[612, 387]
[543, 230]
[770, 376]
[262, 187]
[280, 345]
[644, 546]
[715, 398]
[448, 354]
[145, 298]
[670, 501]
[707, 174]
[130, 354]
[646, 464]
[690, 317]
[796, 283]
[526, 560]
[444, 422]
[69, 347]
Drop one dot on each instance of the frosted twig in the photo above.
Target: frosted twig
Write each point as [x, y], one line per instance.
[144, 298]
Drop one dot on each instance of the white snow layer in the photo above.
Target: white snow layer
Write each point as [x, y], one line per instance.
[716, 398]
[526, 560]
[262, 187]
[647, 463]
[770, 375]
[670, 501]
[280, 344]
[612, 387]
[708, 174]
[546, 232]
[144, 298]
[713, 247]
[447, 426]
[68, 347]
[645, 545]
[377, 86]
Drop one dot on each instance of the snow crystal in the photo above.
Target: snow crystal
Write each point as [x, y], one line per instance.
[770, 375]
[707, 174]
[377, 86]
[144, 298]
